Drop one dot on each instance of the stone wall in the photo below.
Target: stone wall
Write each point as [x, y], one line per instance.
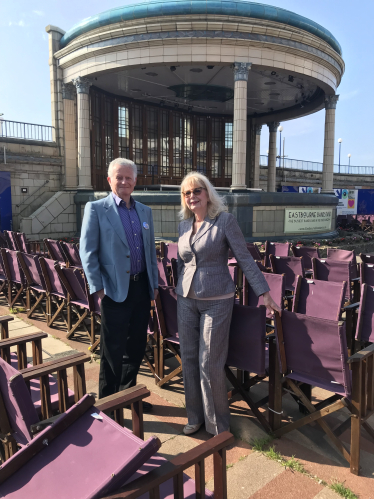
[34, 165]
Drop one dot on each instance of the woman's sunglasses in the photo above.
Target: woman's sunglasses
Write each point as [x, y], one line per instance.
[197, 191]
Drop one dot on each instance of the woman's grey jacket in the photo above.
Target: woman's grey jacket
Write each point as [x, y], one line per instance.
[204, 259]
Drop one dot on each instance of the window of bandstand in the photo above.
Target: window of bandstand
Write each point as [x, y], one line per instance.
[188, 143]
[217, 134]
[164, 142]
[201, 143]
[152, 140]
[228, 149]
[108, 131]
[137, 136]
[123, 131]
[177, 144]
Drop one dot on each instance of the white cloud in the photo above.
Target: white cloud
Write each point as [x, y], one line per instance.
[10, 23]
[349, 95]
[38, 12]
[21, 23]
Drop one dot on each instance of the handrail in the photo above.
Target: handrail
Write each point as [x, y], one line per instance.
[26, 131]
[314, 166]
[31, 195]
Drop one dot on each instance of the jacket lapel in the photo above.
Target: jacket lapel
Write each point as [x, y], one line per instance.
[114, 218]
[208, 224]
[184, 240]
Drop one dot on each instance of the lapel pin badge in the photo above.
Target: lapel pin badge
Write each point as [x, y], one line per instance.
[145, 225]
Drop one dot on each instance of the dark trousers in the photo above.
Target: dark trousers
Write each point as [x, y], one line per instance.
[123, 338]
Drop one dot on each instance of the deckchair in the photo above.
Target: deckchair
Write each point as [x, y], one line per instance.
[11, 240]
[3, 278]
[15, 277]
[276, 249]
[78, 302]
[367, 273]
[163, 273]
[35, 284]
[56, 293]
[367, 258]
[344, 256]
[276, 283]
[365, 319]
[165, 327]
[174, 272]
[55, 251]
[71, 254]
[307, 252]
[62, 461]
[314, 351]
[336, 271]
[291, 267]
[29, 247]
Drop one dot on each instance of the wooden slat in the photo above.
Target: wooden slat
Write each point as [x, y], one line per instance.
[123, 398]
[200, 480]
[275, 387]
[178, 486]
[220, 476]
[63, 394]
[45, 397]
[24, 338]
[37, 353]
[79, 381]
[137, 419]
[370, 383]
[54, 366]
[22, 356]
[356, 417]
[357, 357]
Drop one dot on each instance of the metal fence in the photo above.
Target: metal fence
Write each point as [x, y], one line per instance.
[26, 131]
[313, 166]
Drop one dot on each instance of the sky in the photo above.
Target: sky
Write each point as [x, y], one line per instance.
[25, 84]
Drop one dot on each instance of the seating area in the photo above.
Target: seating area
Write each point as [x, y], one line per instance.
[319, 354]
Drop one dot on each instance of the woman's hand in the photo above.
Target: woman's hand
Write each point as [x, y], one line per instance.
[270, 304]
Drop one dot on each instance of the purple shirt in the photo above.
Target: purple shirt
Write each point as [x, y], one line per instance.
[133, 230]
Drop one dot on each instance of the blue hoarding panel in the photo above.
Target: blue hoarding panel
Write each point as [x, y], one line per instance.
[5, 202]
[365, 202]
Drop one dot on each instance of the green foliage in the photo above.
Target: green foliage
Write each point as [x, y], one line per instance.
[260, 444]
[343, 491]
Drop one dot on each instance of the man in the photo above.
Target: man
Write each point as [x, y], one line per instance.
[118, 253]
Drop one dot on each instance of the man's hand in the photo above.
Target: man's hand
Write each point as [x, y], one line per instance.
[156, 293]
[100, 293]
[270, 304]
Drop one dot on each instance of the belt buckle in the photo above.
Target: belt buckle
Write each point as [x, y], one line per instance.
[136, 277]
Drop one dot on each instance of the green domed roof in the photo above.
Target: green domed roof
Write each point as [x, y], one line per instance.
[156, 8]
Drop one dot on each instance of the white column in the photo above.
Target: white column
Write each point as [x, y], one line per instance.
[329, 144]
[240, 125]
[272, 158]
[84, 146]
[68, 99]
[256, 172]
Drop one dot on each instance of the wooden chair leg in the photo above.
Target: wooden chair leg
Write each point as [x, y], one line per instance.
[220, 476]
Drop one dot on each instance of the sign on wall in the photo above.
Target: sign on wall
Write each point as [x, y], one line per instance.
[300, 221]
[347, 201]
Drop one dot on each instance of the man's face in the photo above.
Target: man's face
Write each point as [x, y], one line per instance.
[122, 181]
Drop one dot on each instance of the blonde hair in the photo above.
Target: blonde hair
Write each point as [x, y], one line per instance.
[216, 204]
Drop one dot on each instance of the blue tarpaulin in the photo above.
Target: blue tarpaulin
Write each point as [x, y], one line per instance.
[5, 202]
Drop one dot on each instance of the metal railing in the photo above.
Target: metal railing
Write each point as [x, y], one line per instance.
[313, 166]
[26, 131]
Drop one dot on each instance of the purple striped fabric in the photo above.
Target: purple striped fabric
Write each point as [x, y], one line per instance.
[133, 231]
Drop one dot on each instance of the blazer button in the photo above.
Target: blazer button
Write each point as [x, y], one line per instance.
[128, 256]
[128, 272]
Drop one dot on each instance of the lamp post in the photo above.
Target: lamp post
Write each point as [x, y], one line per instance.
[280, 130]
[349, 161]
[340, 147]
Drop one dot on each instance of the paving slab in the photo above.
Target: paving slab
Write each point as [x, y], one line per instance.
[327, 493]
[290, 485]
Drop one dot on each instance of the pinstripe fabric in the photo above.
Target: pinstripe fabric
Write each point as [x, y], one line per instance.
[133, 231]
[205, 260]
[203, 327]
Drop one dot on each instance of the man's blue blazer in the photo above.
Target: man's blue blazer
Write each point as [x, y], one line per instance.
[105, 253]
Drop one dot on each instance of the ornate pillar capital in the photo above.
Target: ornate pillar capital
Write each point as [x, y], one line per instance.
[83, 84]
[331, 101]
[273, 125]
[258, 129]
[68, 91]
[241, 70]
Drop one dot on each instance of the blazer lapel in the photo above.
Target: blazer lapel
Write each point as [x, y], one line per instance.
[208, 224]
[185, 239]
[143, 219]
[114, 218]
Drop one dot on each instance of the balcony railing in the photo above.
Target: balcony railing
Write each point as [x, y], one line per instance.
[26, 131]
[313, 166]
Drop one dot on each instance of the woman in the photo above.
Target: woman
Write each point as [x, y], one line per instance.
[206, 297]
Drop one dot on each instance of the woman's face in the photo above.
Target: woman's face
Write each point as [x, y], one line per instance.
[196, 201]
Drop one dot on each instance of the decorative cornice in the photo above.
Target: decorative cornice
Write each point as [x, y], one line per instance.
[273, 126]
[331, 101]
[83, 84]
[68, 91]
[241, 70]
[258, 129]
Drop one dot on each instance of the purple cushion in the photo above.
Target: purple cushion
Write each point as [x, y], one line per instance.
[91, 458]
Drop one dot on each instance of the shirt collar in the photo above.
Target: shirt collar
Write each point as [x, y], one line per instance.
[118, 201]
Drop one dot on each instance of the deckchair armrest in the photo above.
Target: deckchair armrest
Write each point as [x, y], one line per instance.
[6, 319]
[53, 366]
[351, 306]
[38, 427]
[170, 469]
[123, 398]
[21, 340]
[362, 354]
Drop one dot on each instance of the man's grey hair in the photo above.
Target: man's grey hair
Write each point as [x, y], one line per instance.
[123, 162]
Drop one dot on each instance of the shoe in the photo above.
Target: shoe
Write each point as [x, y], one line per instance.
[189, 429]
[147, 407]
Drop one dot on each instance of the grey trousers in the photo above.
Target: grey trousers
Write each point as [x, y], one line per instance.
[203, 327]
